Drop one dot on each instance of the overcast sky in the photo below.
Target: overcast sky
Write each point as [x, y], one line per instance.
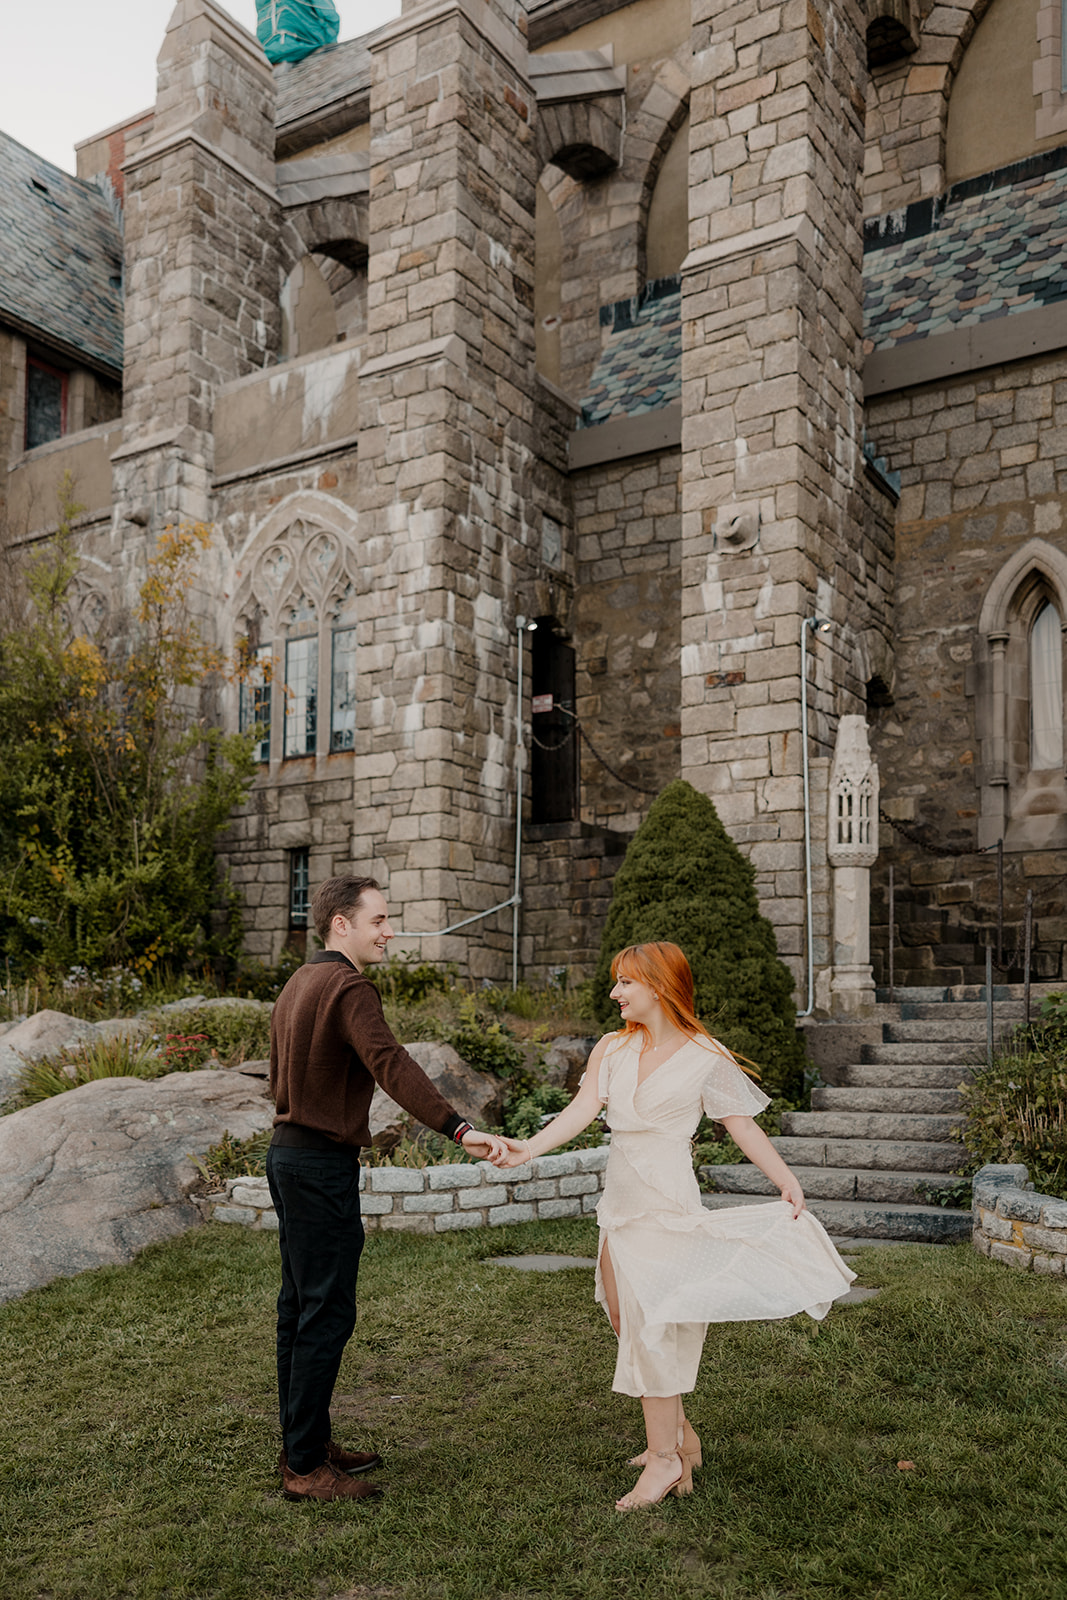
[69, 68]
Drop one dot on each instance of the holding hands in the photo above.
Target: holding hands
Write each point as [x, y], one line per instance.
[494, 1147]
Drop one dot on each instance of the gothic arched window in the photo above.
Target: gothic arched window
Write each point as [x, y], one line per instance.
[297, 609]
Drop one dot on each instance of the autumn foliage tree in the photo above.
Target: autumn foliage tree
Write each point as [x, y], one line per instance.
[114, 786]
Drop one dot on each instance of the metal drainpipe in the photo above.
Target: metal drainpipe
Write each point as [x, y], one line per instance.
[521, 627]
[818, 625]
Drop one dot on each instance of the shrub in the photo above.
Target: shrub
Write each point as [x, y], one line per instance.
[102, 1058]
[235, 1158]
[685, 880]
[407, 980]
[112, 793]
[484, 1043]
[1016, 1111]
[228, 1034]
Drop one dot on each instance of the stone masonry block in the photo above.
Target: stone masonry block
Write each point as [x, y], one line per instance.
[552, 1210]
[1046, 1239]
[580, 1183]
[404, 1224]
[396, 1180]
[539, 1189]
[589, 1203]
[244, 1215]
[1011, 1255]
[513, 1213]
[470, 1198]
[1050, 1266]
[455, 1177]
[429, 1202]
[555, 1165]
[448, 1221]
[594, 1159]
[376, 1205]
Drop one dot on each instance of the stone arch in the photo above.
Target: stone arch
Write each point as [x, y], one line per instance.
[892, 30]
[910, 94]
[305, 546]
[1037, 556]
[337, 228]
[582, 137]
[651, 135]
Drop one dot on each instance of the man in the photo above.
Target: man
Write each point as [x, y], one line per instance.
[329, 1046]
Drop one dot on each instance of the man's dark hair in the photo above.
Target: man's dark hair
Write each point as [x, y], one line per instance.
[338, 897]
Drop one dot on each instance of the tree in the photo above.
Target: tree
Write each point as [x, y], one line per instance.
[685, 880]
[113, 788]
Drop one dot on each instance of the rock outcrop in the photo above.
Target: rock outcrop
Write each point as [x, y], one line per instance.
[90, 1177]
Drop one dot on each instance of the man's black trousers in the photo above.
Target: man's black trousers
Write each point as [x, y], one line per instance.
[316, 1196]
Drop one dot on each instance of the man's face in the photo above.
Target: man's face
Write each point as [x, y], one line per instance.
[364, 936]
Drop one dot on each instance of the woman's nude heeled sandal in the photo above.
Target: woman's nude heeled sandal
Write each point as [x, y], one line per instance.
[683, 1484]
[689, 1449]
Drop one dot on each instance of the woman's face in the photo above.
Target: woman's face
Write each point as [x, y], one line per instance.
[636, 1001]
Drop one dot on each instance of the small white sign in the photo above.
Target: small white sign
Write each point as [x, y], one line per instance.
[541, 702]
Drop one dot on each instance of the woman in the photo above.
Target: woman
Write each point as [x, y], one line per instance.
[667, 1267]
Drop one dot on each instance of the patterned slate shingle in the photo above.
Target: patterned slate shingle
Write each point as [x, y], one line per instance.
[61, 256]
[640, 367]
[989, 252]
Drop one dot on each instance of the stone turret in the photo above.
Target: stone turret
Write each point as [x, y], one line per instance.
[201, 267]
[772, 513]
[446, 459]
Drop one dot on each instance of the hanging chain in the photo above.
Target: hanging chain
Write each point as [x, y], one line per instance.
[913, 837]
[639, 788]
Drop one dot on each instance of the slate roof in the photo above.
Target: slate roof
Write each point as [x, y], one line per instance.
[61, 256]
[336, 72]
[993, 246]
[640, 367]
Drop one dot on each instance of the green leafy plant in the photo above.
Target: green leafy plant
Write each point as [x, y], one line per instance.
[407, 980]
[235, 1158]
[685, 880]
[111, 794]
[484, 1042]
[228, 1034]
[952, 1195]
[1016, 1111]
[102, 1058]
[427, 1150]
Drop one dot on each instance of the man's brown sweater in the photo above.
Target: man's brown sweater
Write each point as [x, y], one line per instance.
[330, 1044]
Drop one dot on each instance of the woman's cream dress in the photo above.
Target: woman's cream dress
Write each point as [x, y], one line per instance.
[677, 1266]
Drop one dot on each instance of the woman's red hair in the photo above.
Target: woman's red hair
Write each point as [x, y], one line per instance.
[663, 968]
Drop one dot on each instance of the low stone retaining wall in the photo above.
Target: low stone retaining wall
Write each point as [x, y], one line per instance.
[438, 1199]
[1014, 1224]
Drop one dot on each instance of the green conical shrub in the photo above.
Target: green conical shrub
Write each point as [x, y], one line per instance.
[685, 880]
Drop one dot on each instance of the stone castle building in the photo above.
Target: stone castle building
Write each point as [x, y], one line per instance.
[678, 328]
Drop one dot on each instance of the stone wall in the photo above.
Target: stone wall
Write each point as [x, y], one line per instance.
[983, 471]
[443, 1199]
[1013, 1224]
[627, 518]
[568, 877]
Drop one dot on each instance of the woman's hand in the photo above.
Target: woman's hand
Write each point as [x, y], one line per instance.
[793, 1195]
[494, 1147]
[517, 1156]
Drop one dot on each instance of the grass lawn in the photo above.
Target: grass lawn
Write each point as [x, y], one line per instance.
[138, 1437]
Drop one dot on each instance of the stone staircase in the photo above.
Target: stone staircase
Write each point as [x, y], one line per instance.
[879, 1135]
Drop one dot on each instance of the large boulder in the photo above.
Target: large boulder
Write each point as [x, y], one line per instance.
[565, 1060]
[90, 1177]
[476, 1095]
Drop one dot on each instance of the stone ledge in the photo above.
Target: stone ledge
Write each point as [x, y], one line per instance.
[1015, 1225]
[441, 1199]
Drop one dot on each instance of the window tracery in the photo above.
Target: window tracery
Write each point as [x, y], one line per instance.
[297, 607]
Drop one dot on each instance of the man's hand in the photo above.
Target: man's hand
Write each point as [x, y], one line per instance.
[492, 1147]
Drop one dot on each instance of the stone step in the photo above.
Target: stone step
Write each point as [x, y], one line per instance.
[871, 1077]
[892, 1100]
[869, 1125]
[1009, 1011]
[845, 1219]
[832, 1183]
[905, 994]
[878, 1155]
[918, 1055]
[967, 1031]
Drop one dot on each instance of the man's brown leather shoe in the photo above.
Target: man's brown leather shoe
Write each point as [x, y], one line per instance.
[347, 1460]
[327, 1483]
